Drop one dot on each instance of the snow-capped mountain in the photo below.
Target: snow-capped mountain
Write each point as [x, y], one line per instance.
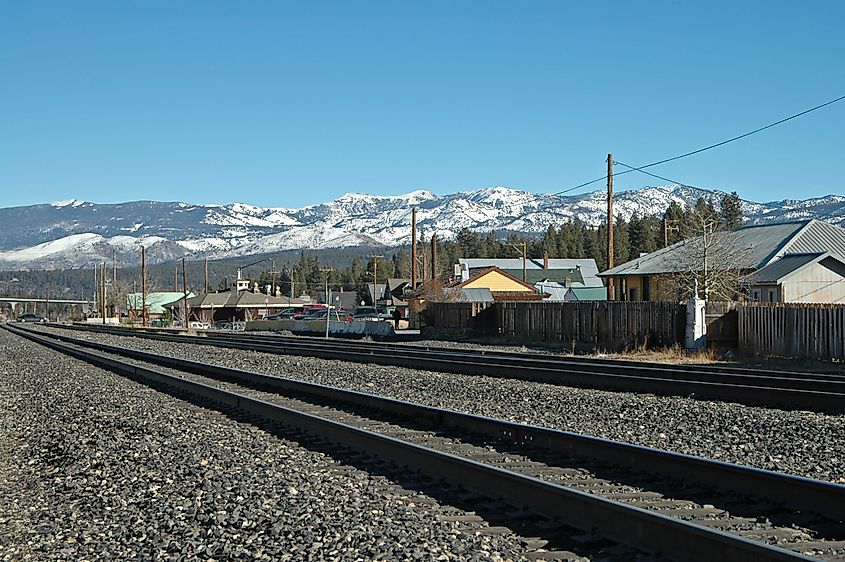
[73, 233]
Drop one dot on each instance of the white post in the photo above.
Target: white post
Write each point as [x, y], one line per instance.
[696, 334]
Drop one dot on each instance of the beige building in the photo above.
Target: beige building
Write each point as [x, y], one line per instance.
[799, 278]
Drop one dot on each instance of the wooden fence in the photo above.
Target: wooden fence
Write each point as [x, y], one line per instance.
[721, 320]
[598, 325]
[474, 316]
[594, 325]
[792, 330]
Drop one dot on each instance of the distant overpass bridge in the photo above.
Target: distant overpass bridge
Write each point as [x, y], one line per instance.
[14, 302]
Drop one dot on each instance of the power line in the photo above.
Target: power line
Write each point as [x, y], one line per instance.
[709, 147]
[634, 169]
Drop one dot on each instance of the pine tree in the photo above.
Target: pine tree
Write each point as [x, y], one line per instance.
[731, 212]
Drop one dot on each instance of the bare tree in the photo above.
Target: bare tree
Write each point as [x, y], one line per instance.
[711, 257]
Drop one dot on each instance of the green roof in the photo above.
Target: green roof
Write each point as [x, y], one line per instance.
[155, 301]
[589, 293]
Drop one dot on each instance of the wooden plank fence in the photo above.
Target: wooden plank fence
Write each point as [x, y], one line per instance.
[792, 330]
[462, 315]
[597, 325]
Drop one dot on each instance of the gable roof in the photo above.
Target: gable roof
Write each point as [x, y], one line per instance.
[461, 294]
[588, 293]
[760, 245]
[777, 271]
[156, 301]
[495, 269]
[586, 266]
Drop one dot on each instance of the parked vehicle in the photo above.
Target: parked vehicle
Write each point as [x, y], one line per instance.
[371, 313]
[31, 318]
[199, 325]
[282, 314]
[336, 315]
[307, 311]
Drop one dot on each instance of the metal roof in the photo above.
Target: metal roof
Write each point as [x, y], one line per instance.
[459, 294]
[782, 268]
[587, 267]
[756, 246]
[589, 293]
[156, 301]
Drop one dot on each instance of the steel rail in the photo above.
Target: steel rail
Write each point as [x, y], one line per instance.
[529, 355]
[796, 492]
[814, 394]
[619, 522]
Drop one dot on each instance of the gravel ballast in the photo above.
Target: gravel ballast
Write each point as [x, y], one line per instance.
[95, 467]
[804, 443]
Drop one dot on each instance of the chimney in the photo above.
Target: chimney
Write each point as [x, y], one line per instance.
[567, 282]
[546, 260]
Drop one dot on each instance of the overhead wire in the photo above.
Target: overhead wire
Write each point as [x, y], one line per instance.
[709, 147]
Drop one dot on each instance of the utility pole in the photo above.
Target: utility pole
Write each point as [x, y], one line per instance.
[176, 278]
[143, 287]
[434, 256]
[524, 260]
[103, 291]
[375, 259]
[414, 248]
[326, 270]
[610, 249]
[205, 286]
[273, 278]
[184, 295]
[114, 283]
[97, 288]
[667, 229]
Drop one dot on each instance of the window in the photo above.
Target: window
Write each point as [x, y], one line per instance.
[771, 295]
[755, 295]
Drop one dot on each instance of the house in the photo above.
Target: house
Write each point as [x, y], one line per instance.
[157, 303]
[799, 278]
[564, 293]
[747, 249]
[240, 305]
[571, 272]
[502, 285]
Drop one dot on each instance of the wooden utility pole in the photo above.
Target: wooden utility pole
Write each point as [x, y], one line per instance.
[610, 249]
[184, 296]
[114, 282]
[375, 259]
[176, 278]
[205, 286]
[434, 256]
[103, 290]
[326, 270]
[143, 287]
[272, 278]
[414, 248]
[96, 288]
[524, 261]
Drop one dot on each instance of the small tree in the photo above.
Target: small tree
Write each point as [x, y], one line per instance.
[709, 256]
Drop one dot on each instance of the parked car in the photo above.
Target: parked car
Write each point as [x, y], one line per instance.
[337, 315]
[31, 318]
[307, 311]
[199, 325]
[370, 313]
[282, 314]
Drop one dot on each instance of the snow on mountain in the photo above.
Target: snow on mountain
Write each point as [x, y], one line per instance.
[75, 233]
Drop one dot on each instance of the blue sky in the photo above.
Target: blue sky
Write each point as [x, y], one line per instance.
[287, 104]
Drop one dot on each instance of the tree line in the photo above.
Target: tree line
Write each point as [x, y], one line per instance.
[352, 269]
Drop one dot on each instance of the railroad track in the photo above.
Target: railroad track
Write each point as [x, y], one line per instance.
[787, 390]
[674, 505]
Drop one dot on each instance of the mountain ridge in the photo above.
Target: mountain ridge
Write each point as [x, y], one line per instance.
[75, 233]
